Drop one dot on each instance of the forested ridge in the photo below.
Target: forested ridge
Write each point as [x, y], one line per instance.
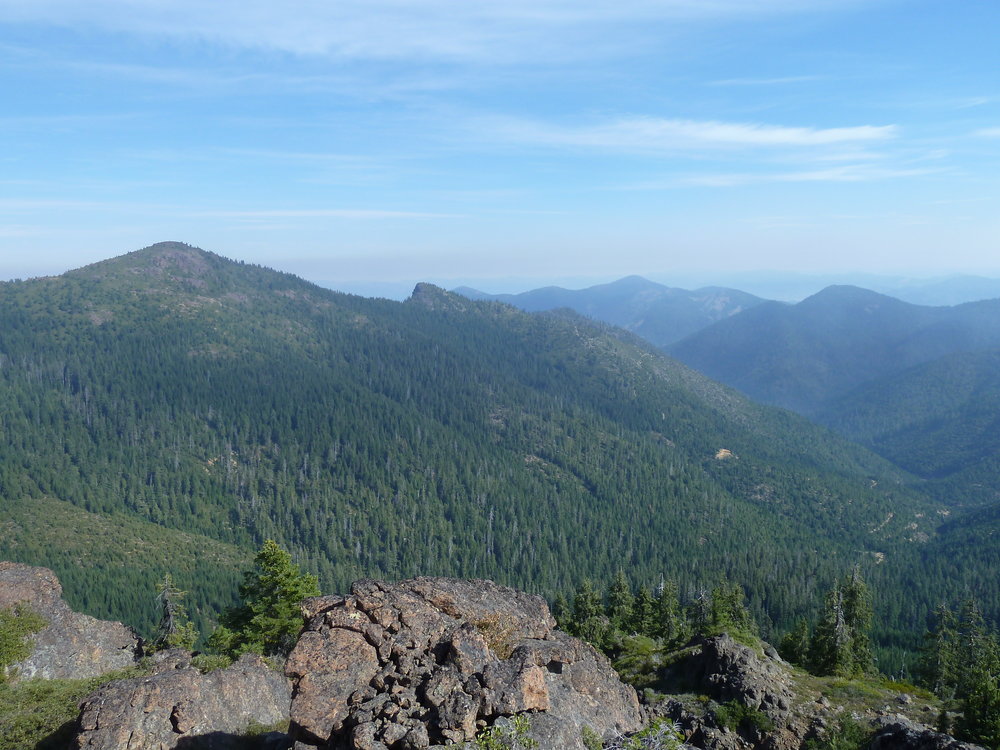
[172, 392]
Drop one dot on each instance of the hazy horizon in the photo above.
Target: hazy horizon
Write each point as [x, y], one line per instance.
[383, 142]
[785, 286]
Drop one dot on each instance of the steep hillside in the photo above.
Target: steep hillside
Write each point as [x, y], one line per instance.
[804, 356]
[939, 420]
[657, 313]
[435, 436]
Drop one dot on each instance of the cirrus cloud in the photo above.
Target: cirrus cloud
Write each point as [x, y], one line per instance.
[659, 134]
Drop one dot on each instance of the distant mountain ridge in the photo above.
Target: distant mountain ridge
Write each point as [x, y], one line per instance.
[802, 356]
[658, 313]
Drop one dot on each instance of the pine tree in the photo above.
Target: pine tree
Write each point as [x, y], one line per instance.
[644, 613]
[671, 624]
[858, 614]
[795, 645]
[830, 648]
[941, 658]
[269, 620]
[729, 613]
[175, 629]
[589, 620]
[621, 602]
[980, 705]
[841, 644]
[562, 613]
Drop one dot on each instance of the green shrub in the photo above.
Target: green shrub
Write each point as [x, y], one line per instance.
[41, 714]
[508, 735]
[733, 714]
[17, 623]
[846, 734]
[659, 735]
[591, 739]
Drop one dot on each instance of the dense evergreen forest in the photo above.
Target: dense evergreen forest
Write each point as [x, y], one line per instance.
[168, 410]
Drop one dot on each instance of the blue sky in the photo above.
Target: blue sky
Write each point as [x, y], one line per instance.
[506, 144]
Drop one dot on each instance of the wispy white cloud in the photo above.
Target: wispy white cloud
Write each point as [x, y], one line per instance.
[393, 29]
[988, 132]
[765, 81]
[324, 213]
[657, 134]
[846, 173]
[849, 173]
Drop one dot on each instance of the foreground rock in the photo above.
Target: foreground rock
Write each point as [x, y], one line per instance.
[899, 733]
[750, 698]
[430, 661]
[181, 708]
[71, 645]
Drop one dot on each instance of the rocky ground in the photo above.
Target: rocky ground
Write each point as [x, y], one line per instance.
[726, 695]
[432, 662]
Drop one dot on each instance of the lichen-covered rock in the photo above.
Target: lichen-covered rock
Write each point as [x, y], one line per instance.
[430, 661]
[184, 708]
[896, 732]
[71, 645]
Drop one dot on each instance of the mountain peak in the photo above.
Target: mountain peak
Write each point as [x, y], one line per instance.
[163, 260]
[436, 298]
[845, 294]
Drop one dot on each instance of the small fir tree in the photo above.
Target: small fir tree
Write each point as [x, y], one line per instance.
[269, 619]
[621, 603]
[794, 646]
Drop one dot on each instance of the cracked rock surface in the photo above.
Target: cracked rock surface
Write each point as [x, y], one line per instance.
[430, 661]
[179, 707]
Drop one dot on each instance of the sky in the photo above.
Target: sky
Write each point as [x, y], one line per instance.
[504, 144]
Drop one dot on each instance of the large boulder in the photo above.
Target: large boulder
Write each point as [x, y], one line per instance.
[727, 670]
[71, 645]
[431, 661]
[896, 732]
[179, 707]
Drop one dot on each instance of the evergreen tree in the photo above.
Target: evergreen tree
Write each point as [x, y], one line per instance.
[269, 619]
[728, 610]
[941, 658]
[644, 613]
[562, 613]
[794, 646]
[671, 624]
[841, 643]
[175, 629]
[980, 705]
[858, 614]
[621, 603]
[589, 620]
[830, 648]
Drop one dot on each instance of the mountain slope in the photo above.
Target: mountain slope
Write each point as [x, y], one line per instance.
[657, 313]
[435, 436]
[803, 356]
[939, 420]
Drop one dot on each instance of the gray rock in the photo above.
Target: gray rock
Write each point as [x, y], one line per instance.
[182, 708]
[896, 732]
[726, 670]
[429, 661]
[71, 645]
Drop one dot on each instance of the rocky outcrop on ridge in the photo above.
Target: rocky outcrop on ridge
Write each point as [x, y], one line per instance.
[72, 645]
[431, 661]
[179, 707]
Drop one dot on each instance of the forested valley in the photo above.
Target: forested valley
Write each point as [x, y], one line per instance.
[169, 410]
